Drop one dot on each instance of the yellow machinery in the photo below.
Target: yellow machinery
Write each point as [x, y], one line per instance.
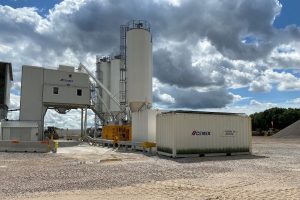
[117, 133]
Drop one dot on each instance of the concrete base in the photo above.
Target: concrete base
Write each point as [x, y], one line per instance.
[24, 146]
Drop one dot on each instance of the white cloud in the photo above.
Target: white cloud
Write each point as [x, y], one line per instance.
[14, 101]
[197, 43]
[70, 120]
[252, 107]
[237, 98]
[255, 103]
[4, 48]
[296, 101]
[16, 88]
[260, 106]
[175, 3]
[25, 15]
[286, 81]
[289, 86]
[285, 56]
[166, 98]
[260, 86]
[14, 104]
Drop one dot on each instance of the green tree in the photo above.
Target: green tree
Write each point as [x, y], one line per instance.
[281, 118]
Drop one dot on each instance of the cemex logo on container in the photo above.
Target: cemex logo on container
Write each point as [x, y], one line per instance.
[200, 132]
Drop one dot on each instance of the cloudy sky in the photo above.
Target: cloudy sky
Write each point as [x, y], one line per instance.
[216, 55]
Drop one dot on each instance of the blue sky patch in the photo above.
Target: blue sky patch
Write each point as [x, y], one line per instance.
[43, 6]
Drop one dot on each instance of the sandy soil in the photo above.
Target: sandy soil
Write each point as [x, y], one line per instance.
[272, 172]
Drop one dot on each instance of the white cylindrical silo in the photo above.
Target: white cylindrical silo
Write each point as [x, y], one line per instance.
[139, 65]
[105, 71]
[99, 90]
[115, 84]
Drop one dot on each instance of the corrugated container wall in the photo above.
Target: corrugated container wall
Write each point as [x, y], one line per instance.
[179, 134]
[19, 130]
[139, 68]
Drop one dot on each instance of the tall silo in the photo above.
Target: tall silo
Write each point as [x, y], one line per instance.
[99, 90]
[103, 75]
[139, 64]
[115, 84]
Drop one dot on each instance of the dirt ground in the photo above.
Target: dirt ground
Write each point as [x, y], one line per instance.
[86, 172]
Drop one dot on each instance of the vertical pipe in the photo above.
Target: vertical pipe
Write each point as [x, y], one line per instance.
[85, 122]
[81, 133]
[42, 123]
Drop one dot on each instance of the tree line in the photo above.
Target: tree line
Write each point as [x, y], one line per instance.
[277, 118]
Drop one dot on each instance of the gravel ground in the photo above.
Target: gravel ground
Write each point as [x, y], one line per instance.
[272, 172]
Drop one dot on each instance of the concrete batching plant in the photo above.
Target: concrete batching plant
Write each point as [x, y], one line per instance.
[128, 76]
[120, 94]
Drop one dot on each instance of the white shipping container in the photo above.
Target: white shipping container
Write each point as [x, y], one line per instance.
[144, 126]
[181, 133]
